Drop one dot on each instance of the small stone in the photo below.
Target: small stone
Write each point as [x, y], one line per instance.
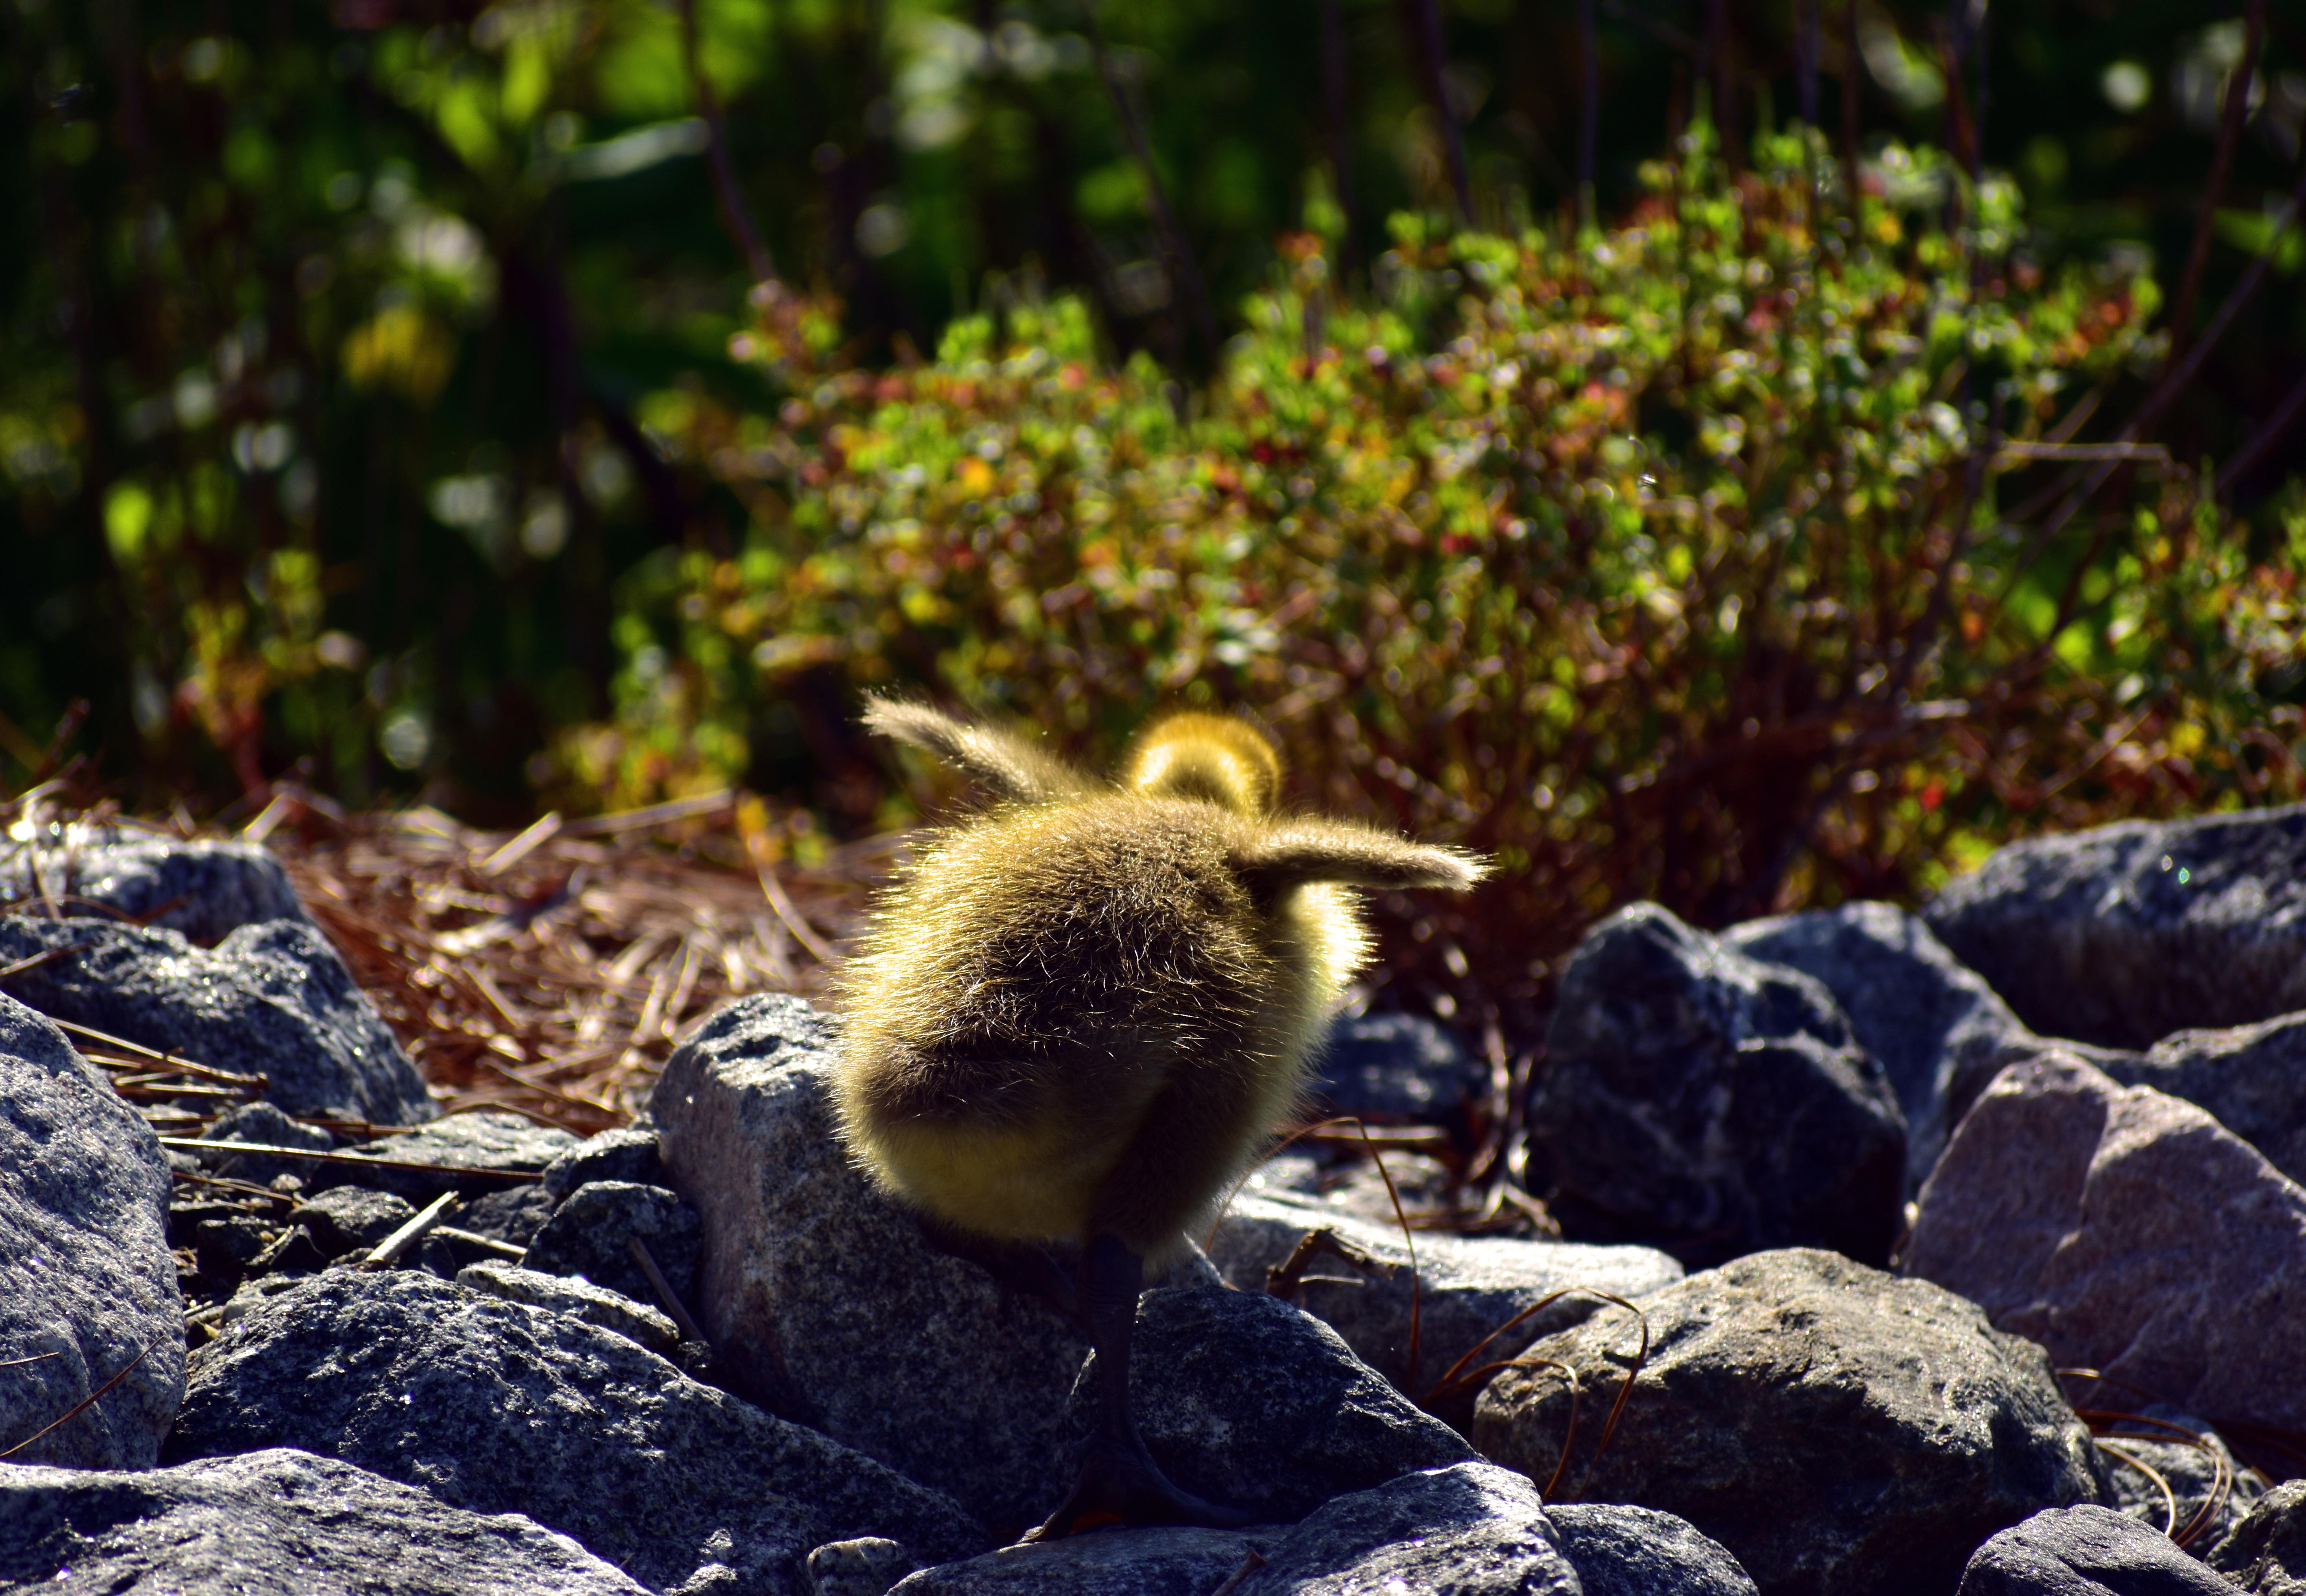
[1839, 1430]
[1155, 1560]
[628, 1153]
[2128, 1231]
[1396, 1069]
[264, 1125]
[591, 1235]
[1708, 1104]
[2123, 935]
[274, 1523]
[866, 1566]
[1467, 1530]
[2086, 1551]
[352, 1219]
[512, 1214]
[203, 890]
[489, 1139]
[1638, 1551]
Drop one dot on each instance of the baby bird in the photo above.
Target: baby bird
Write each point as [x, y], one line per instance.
[1079, 1014]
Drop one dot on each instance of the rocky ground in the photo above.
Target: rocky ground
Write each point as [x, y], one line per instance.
[1857, 1252]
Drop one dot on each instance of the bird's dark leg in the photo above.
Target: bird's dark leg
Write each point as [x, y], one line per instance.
[1119, 1480]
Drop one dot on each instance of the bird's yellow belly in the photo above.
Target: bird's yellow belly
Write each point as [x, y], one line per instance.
[1015, 1183]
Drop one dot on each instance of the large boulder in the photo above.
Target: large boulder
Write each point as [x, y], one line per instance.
[499, 1407]
[1638, 1551]
[1704, 1102]
[1248, 1401]
[819, 1291]
[275, 1522]
[203, 889]
[1463, 1288]
[1940, 1032]
[2123, 935]
[1394, 1067]
[1837, 1428]
[2266, 1553]
[1468, 1529]
[272, 999]
[591, 1234]
[2128, 1231]
[89, 1301]
[2251, 1077]
[2086, 1551]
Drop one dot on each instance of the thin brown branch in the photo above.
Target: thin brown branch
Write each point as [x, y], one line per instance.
[734, 213]
[2230, 125]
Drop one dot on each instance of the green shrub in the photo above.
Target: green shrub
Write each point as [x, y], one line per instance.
[1673, 562]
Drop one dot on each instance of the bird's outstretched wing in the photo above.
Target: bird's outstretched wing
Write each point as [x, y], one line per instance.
[1002, 761]
[1294, 852]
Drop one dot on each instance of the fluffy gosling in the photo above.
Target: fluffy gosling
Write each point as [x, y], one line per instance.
[1079, 1014]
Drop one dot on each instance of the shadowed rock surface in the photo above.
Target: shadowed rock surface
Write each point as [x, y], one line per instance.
[487, 1139]
[2251, 1079]
[821, 1294]
[2266, 1553]
[499, 1407]
[589, 1234]
[1839, 1431]
[2086, 1551]
[579, 1299]
[2125, 933]
[1939, 1031]
[1703, 1101]
[2190, 1467]
[204, 890]
[1638, 1551]
[1248, 1401]
[275, 1522]
[87, 1287]
[1394, 1067]
[2128, 1231]
[272, 999]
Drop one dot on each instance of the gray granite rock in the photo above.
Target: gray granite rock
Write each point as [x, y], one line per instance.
[1396, 1068]
[2266, 1553]
[512, 1214]
[272, 999]
[2191, 1458]
[1837, 1428]
[1248, 1401]
[2251, 1079]
[1466, 1288]
[1638, 1551]
[2121, 934]
[351, 1218]
[589, 1234]
[489, 1139]
[1939, 1030]
[1704, 1102]
[1466, 1529]
[595, 1305]
[274, 1523]
[2128, 1231]
[88, 1292]
[626, 1153]
[264, 1125]
[2086, 1551]
[499, 1407]
[823, 1299]
[203, 889]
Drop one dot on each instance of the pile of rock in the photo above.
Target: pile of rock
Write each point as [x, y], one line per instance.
[1914, 1162]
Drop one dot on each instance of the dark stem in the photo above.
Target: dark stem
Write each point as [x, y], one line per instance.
[2284, 415]
[1423, 19]
[2230, 125]
[1850, 66]
[1337, 108]
[1589, 111]
[1808, 44]
[734, 214]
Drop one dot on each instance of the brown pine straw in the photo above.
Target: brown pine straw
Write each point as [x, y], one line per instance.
[2103, 1422]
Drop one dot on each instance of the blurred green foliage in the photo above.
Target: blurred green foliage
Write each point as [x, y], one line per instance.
[389, 400]
[1670, 562]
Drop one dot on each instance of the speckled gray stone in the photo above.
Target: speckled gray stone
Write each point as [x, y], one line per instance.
[272, 999]
[590, 1233]
[1619, 1550]
[2086, 1551]
[274, 1523]
[821, 1294]
[2121, 934]
[352, 1219]
[2251, 1079]
[594, 1304]
[2266, 1553]
[204, 890]
[1939, 1030]
[628, 1153]
[2191, 1470]
[2128, 1231]
[499, 1407]
[1248, 1401]
[1704, 1102]
[87, 1287]
[488, 1140]
[1467, 1286]
[1394, 1068]
[1841, 1432]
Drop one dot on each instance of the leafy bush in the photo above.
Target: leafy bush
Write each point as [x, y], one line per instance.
[1674, 561]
